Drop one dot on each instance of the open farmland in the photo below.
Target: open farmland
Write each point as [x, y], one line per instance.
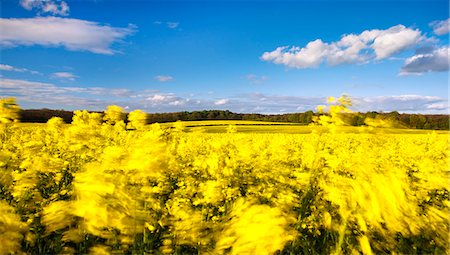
[242, 126]
[222, 126]
[221, 188]
[248, 127]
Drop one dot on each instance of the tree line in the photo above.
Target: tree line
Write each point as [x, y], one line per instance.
[402, 120]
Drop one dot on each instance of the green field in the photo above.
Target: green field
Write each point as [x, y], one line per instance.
[245, 126]
[242, 126]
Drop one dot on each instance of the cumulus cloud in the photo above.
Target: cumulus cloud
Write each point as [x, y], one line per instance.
[435, 61]
[72, 34]
[441, 27]
[64, 76]
[353, 48]
[221, 101]
[163, 78]
[310, 56]
[4, 67]
[46, 6]
[395, 40]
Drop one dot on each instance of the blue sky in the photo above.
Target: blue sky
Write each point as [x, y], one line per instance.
[244, 56]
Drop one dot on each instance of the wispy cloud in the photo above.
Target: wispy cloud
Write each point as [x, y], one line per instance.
[265, 103]
[360, 48]
[169, 99]
[48, 93]
[435, 61]
[163, 78]
[72, 34]
[169, 24]
[172, 25]
[64, 76]
[403, 103]
[97, 98]
[52, 7]
[4, 67]
[256, 79]
[441, 27]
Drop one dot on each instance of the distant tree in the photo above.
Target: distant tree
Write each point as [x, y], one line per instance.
[416, 121]
[394, 116]
[308, 116]
[356, 119]
[195, 116]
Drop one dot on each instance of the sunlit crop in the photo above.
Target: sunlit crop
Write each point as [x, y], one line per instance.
[96, 187]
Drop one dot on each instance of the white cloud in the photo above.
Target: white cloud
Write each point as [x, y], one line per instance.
[255, 79]
[64, 76]
[22, 84]
[92, 98]
[402, 103]
[441, 27]
[347, 50]
[16, 87]
[438, 106]
[221, 101]
[73, 34]
[310, 56]
[369, 45]
[40, 94]
[435, 61]
[4, 67]
[163, 78]
[166, 101]
[395, 40]
[172, 25]
[158, 98]
[264, 103]
[169, 24]
[57, 7]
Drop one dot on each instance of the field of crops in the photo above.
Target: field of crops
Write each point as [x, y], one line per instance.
[222, 126]
[96, 187]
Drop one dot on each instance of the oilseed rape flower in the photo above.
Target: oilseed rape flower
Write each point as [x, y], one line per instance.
[96, 186]
[9, 110]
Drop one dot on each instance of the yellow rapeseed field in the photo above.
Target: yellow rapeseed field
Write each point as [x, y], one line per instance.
[96, 187]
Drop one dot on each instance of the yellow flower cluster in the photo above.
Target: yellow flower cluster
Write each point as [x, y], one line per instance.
[94, 187]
